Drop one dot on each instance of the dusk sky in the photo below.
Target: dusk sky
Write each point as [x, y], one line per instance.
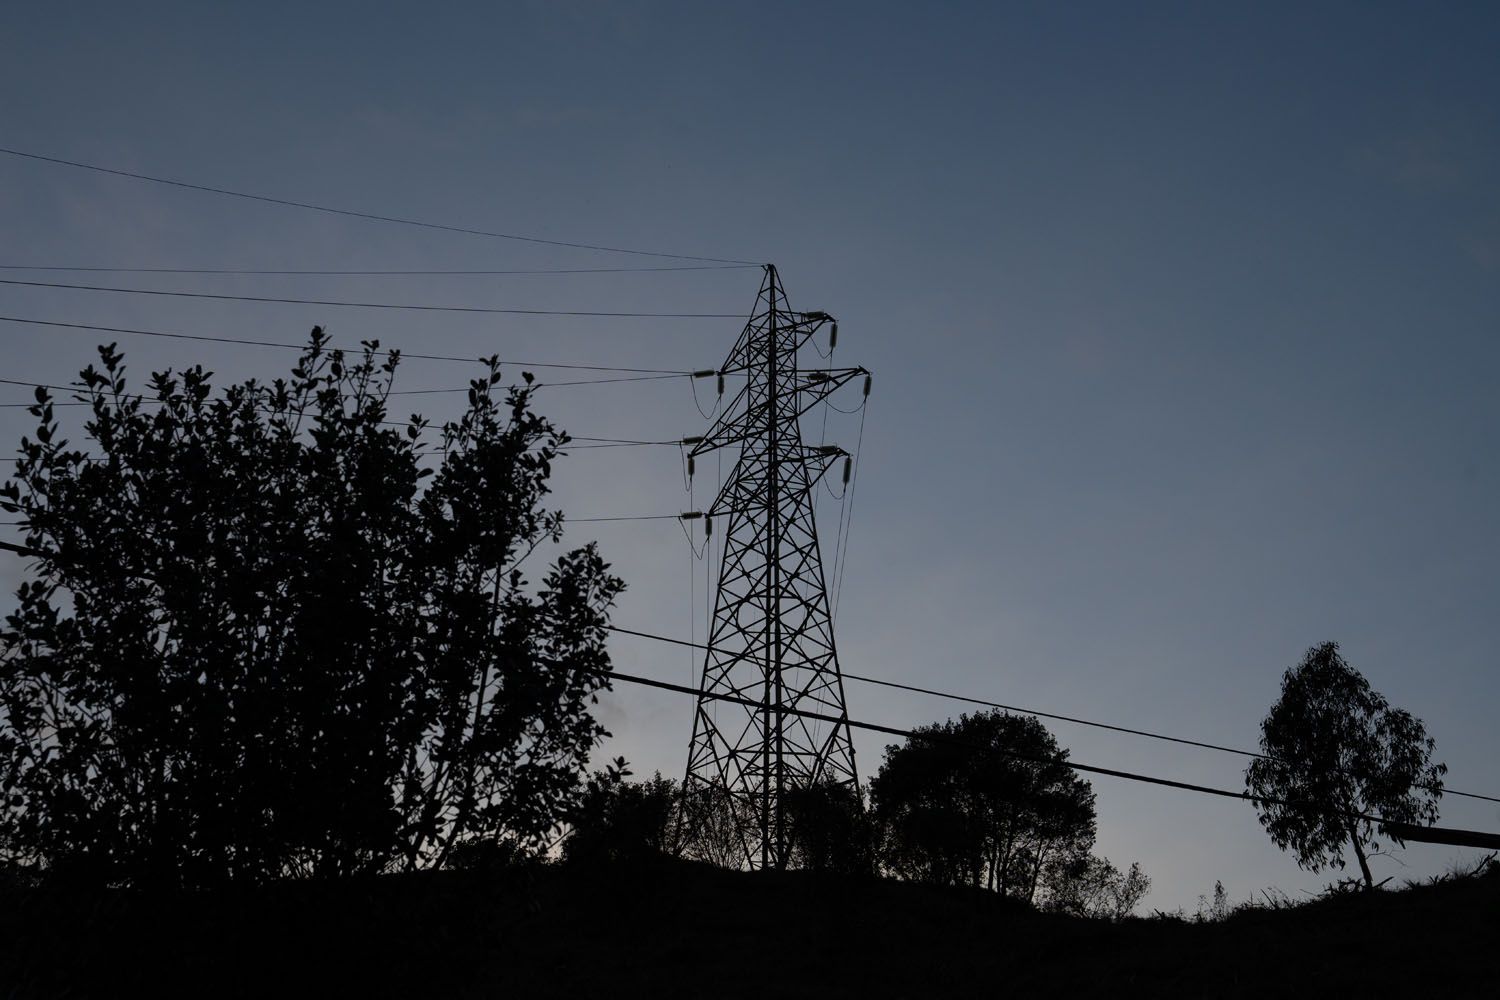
[1183, 321]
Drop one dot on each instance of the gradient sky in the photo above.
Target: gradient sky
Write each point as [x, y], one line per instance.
[1183, 319]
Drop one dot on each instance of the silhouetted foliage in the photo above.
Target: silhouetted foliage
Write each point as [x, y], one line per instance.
[711, 824]
[492, 854]
[951, 815]
[1460, 871]
[255, 644]
[1334, 747]
[1093, 887]
[829, 829]
[1218, 909]
[622, 821]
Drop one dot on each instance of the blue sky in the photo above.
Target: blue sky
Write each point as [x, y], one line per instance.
[1182, 317]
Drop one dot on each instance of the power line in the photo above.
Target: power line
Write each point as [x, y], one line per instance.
[604, 381]
[981, 701]
[371, 305]
[435, 272]
[564, 449]
[846, 524]
[1435, 835]
[567, 448]
[613, 442]
[1022, 711]
[619, 444]
[24, 383]
[624, 517]
[399, 392]
[539, 384]
[284, 345]
[912, 734]
[639, 441]
[365, 215]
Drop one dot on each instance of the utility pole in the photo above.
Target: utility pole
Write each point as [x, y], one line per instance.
[770, 641]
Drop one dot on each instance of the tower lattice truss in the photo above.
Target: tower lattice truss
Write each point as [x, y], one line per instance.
[771, 648]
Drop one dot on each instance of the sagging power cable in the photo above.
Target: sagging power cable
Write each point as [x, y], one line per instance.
[285, 345]
[324, 273]
[490, 310]
[1022, 711]
[1470, 838]
[370, 216]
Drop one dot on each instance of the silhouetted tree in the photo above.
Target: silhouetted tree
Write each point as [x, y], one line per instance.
[1336, 749]
[829, 829]
[1091, 886]
[986, 801]
[710, 825]
[617, 820]
[255, 644]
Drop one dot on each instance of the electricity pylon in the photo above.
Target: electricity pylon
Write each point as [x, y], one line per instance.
[770, 641]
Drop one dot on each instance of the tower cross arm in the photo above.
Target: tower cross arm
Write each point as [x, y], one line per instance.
[816, 384]
[809, 388]
[793, 329]
[819, 459]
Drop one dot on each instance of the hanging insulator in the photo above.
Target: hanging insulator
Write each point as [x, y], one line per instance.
[833, 336]
[867, 385]
[690, 466]
[721, 383]
[847, 462]
[708, 527]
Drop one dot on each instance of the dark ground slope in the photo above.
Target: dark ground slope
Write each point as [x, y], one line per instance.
[686, 930]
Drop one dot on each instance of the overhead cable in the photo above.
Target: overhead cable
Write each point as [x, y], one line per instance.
[594, 313]
[142, 397]
[1438, 835]
[364, 215]
[284, 345]
[624, 517]
[434, 272]
[1019, 710]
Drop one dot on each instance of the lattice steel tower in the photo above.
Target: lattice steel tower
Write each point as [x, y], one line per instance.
[770, 641]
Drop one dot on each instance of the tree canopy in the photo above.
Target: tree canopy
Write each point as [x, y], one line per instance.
[272, 632]
[952, 813]
[623, 821]
[829, 829]
[1336, 752]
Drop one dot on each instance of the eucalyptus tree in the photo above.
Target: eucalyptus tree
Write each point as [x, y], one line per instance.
[1336, 759]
